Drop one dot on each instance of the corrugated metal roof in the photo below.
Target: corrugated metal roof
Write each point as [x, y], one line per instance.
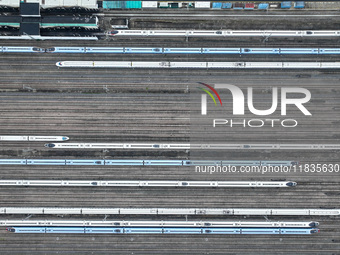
[299, 4]
[149, 4]
[263, 6]
[133, 4]
[227, 5]
[204, 4]
[216, 5]
[249, 6]
[286, 4]
[238, 6]
[122, 4]
[54, 3]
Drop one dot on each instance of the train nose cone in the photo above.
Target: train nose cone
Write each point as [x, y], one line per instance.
[291, 184]
[314, 224]
[65, 138]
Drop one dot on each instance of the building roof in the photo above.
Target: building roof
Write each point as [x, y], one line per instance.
[68, 20]
[54, 3]
[10, 19]
[30, 20]
[29, 29]
[29, 9]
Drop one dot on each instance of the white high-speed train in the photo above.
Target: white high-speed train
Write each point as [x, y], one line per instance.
[116, 146]
[198, 65]
[76, 223]
[162, 50]
[162, 230]
[20, 49]
[168, 211]
[227, 33]
[193, 146]
[33, 138]
[119, 183]
[146, 162]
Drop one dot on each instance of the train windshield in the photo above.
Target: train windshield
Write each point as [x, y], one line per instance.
[36, 49]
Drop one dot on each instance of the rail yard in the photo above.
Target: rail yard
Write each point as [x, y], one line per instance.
[103, 160]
